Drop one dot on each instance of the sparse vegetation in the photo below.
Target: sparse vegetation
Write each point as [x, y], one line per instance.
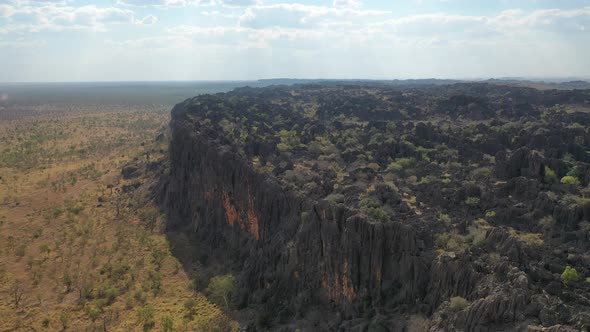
[550, 176]
[220, 289]
[472, 201]
[445, 219]
[112, 269]
[531, 239]
[401, 164]
[398, 168]
[568, 179]
[458, 303]
[570, 274]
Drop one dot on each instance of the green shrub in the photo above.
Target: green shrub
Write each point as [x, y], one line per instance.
[481, 173]
[155, 279]
[401, 164]
[550, 176]
[68, 282]
[158, 256]
[167, 323]
[335, 198]
[64, 319]
[568, 179]
[450, 241]
[569, 274]
[472, 201]
[377, 213]
[576, 172]
[93, 312]
[428, 179]
[490, 214]
[220, 289]
[458, 303]
[477, 234]
[146, 317]
[373, 209]
[191, 308]
[140, 296]
[532, 239]
[445, 219]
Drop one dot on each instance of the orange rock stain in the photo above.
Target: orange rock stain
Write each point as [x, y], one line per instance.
[231, 213]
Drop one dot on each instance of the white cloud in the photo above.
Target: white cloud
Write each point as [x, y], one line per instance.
[165, 3]
[224, 14]
[299, 15]
[556, 20]
[300, 26]
[148, 20]
[270, 37]
[346, 3]
[152, 43]
[185, 3]
[341, 37]
[507, 25]
[6, 10]
[219, 36]
[39, 2]
[239, 3]
[51, 17]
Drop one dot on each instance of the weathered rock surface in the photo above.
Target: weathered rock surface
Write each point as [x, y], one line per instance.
[296, 253]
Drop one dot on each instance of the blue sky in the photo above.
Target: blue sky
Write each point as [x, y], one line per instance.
[111, 40]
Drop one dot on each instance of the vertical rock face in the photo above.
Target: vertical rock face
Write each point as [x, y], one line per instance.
[345, 201]
[289, 246]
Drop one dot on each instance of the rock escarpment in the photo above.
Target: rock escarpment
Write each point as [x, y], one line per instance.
[357, 234]
[290, 247]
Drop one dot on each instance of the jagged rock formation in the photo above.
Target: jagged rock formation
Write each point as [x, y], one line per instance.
[376, 203]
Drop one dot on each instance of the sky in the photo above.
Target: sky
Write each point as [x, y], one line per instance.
[137, 40]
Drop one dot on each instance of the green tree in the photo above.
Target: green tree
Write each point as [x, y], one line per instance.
[68, 282]
[569, 274]
[472, 201]
[158, 256]
[568, 179]
[17, 292]
[167, 323]
[155, 282]
[146, 317]
[191, 307]
[401, 164]
[93, 313]
[149, 217]
[550, 176]
[220, 288]
[64, 319]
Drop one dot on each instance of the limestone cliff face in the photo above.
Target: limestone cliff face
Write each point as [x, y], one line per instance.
[296, 254]
[291, 248]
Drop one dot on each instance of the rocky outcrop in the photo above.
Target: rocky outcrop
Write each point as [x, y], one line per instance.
[315, 250]
[289, 247]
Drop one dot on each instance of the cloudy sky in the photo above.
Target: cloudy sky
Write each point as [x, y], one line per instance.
[80, 40]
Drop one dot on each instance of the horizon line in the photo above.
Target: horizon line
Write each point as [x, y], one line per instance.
[502, 78]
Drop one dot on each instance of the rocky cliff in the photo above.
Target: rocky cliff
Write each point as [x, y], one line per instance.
[305, 244]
